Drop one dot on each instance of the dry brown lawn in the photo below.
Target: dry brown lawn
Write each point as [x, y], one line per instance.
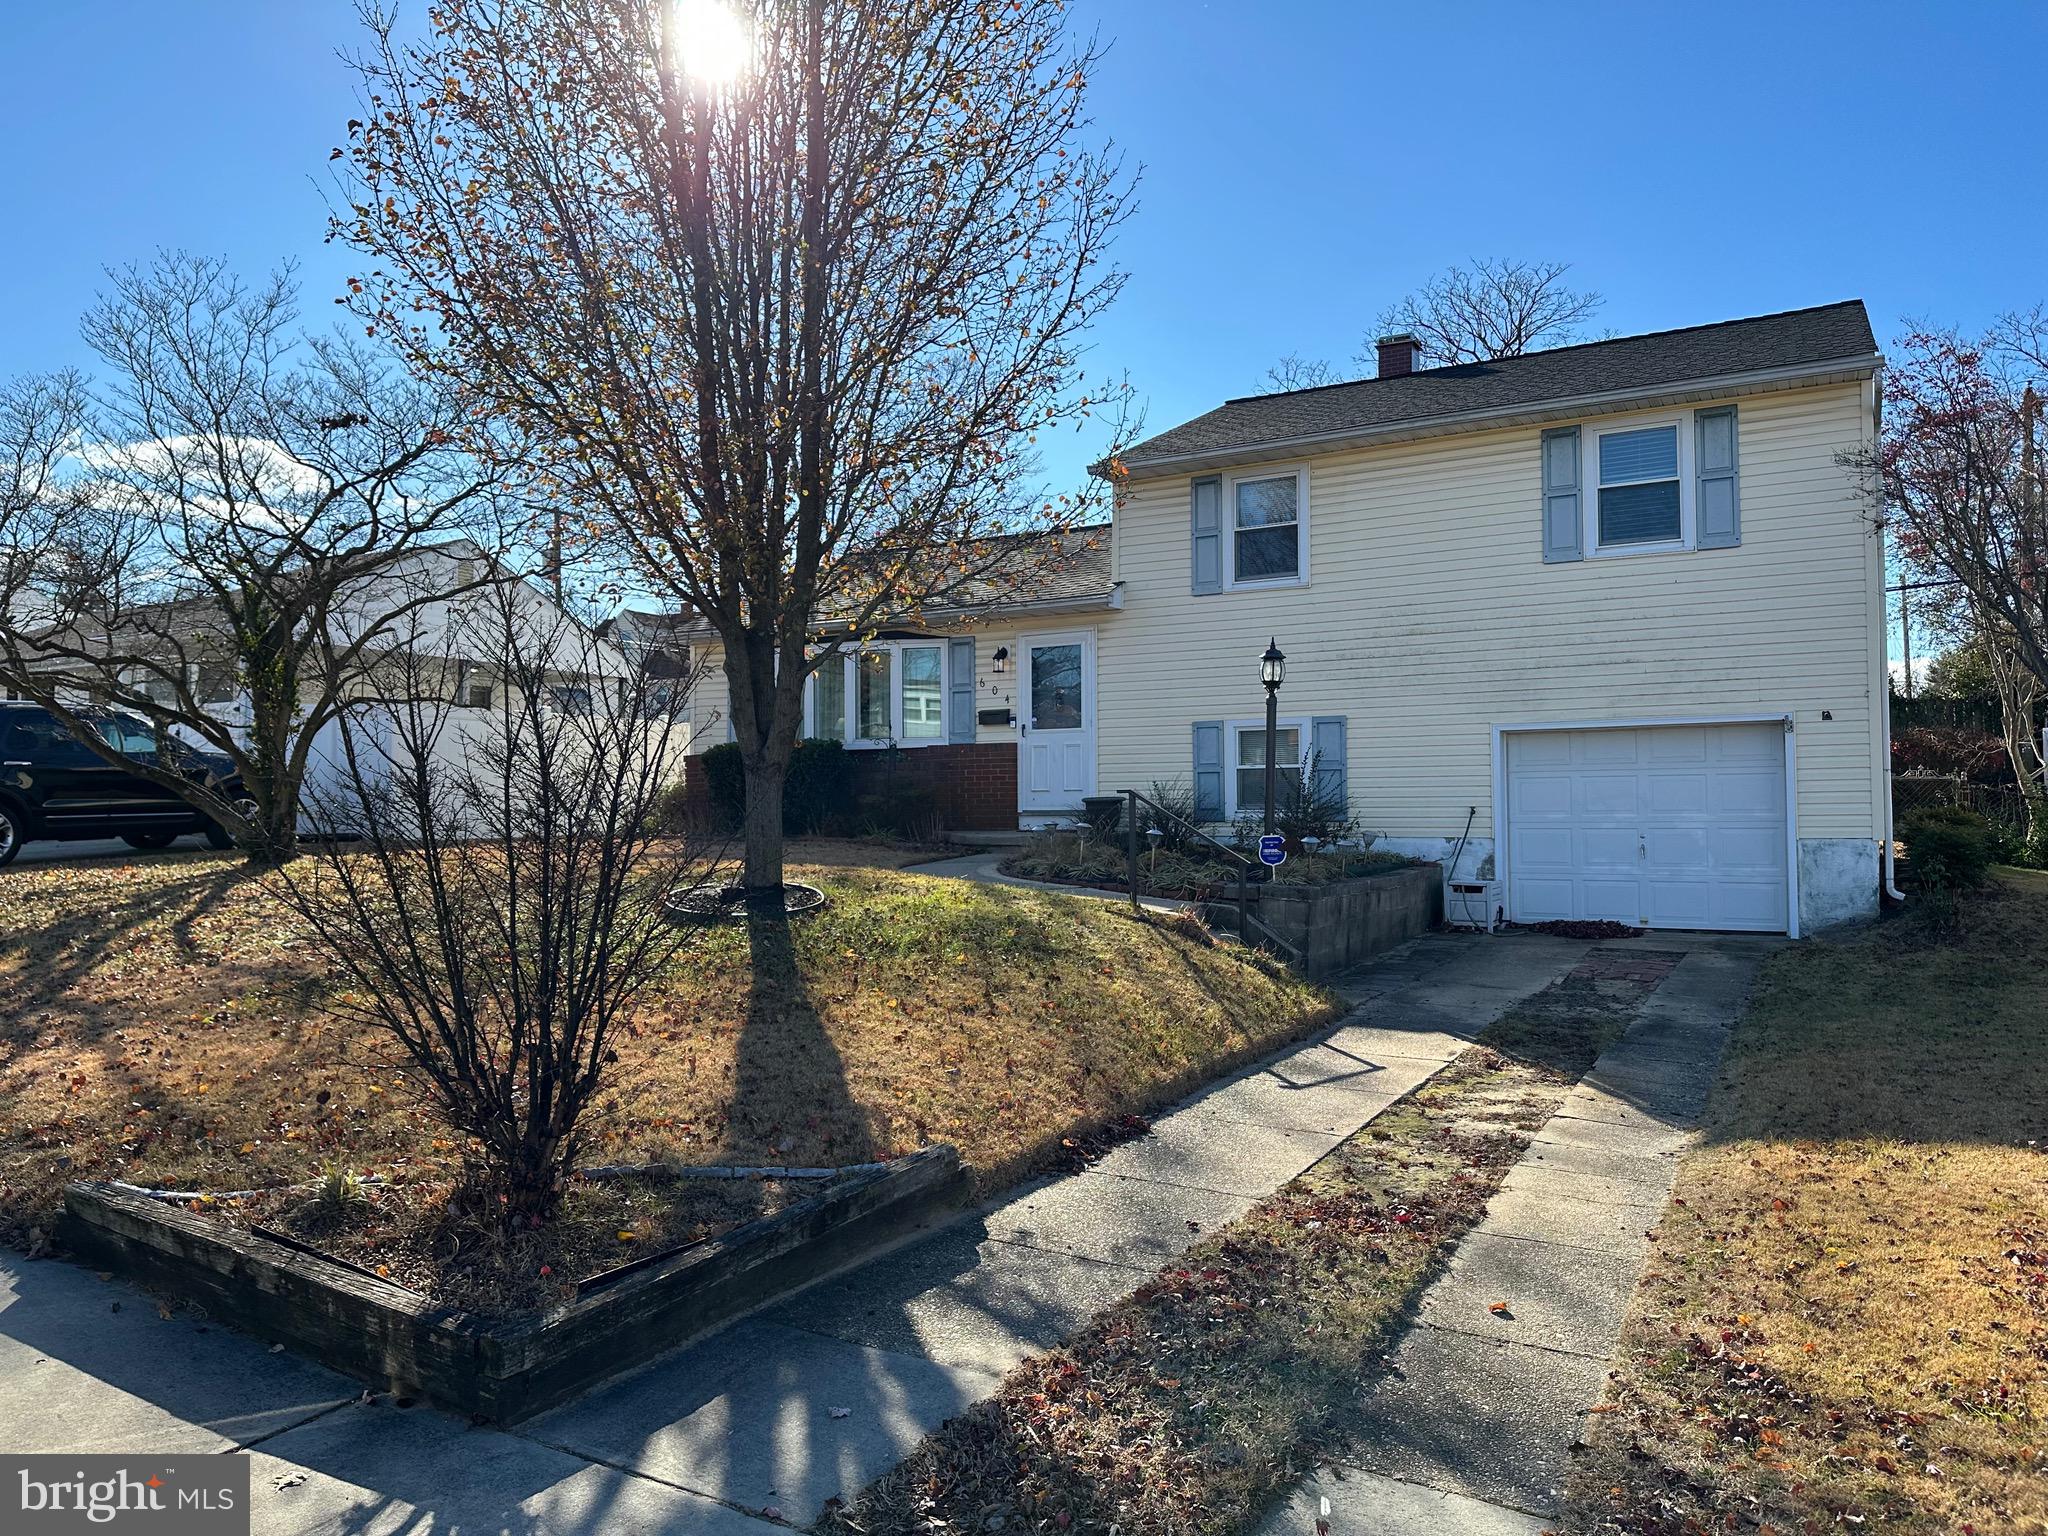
[1845, 1326]
[166, 1021]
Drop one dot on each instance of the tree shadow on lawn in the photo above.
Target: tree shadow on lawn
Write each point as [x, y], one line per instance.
[790, 1086]
[49, 963]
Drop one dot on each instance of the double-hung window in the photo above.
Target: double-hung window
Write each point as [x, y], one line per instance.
[1248, 750]
[924, 693]
[1639, 488]
[1268, 517]
[828, 700]
[874, 708]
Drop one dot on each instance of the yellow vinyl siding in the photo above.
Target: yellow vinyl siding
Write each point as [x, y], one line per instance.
[1429, 617]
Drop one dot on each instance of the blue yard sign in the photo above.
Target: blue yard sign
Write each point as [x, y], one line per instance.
[1273, 850]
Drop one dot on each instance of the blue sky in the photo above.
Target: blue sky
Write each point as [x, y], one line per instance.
[1306, 162]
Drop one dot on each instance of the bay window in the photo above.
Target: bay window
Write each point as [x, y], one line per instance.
[896, 691]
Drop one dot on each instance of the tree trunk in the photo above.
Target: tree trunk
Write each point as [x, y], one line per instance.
[272, 682]
[532, 1181]
[763, 827]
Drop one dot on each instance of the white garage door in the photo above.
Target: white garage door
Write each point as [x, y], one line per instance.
[1671, 827]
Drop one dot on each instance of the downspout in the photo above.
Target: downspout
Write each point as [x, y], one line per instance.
[1891, 881]
[1889, 863]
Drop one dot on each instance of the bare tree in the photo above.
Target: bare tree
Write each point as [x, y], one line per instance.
[1494, 309]
[503, 909]
[226, 535]
[786, 291]
[1958, 477]
[1297, 372]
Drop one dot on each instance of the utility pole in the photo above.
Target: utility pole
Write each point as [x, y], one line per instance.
[1906, 634]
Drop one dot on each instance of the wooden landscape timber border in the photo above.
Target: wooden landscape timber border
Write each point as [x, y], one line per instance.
[504, 1369]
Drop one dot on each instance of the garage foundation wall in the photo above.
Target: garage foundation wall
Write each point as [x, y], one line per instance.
[1474, 860]
[1838, 881]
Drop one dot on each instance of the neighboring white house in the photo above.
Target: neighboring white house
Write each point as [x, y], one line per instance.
[1617, 607]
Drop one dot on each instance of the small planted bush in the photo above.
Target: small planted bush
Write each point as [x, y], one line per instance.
[816, 792]
[1950, 852]
[1176, 799]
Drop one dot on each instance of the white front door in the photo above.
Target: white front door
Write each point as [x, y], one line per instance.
[1657, 827]
[1055, 721]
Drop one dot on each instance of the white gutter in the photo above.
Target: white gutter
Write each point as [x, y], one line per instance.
[1837, 369]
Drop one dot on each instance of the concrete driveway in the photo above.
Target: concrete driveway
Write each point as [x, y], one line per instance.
[812, 1398]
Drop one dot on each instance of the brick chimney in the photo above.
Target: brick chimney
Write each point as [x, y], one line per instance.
[1398, 355]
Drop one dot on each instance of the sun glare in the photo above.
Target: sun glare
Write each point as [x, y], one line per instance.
[711, 40]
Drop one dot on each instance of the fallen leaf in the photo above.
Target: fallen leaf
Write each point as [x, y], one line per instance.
[839, 1413]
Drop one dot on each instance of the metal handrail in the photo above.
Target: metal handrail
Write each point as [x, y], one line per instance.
[1134, 876]
[1136, 799]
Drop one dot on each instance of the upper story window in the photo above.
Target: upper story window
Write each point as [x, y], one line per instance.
[1268, 527]
[1639, 495]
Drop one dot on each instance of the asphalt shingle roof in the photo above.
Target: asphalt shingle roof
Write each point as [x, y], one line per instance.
[1024, 570]
[1792, 339]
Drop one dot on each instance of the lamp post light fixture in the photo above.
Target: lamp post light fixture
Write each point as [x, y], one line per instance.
[1272, 672]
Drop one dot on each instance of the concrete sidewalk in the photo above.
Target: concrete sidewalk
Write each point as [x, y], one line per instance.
[1468, 1431]
[811, 1399]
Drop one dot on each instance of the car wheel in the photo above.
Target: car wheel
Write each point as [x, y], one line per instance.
[218, 836]
[149, 839]
[13, 833]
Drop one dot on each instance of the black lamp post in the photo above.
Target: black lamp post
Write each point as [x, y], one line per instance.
[1272, 672]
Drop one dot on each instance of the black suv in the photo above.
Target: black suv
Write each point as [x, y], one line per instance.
[54, 787]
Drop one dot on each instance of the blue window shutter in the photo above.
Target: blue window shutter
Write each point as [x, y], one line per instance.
[1326, 736]
[1208, 770]
[1720, 504]
[1563, 528]
[1205, 533]
[960, 690]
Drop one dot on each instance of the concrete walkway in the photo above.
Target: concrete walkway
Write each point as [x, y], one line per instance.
[811, 1399]
[1468, 1432]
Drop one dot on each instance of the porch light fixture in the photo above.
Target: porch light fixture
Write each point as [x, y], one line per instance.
[1272, 672]
[1000, 662]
